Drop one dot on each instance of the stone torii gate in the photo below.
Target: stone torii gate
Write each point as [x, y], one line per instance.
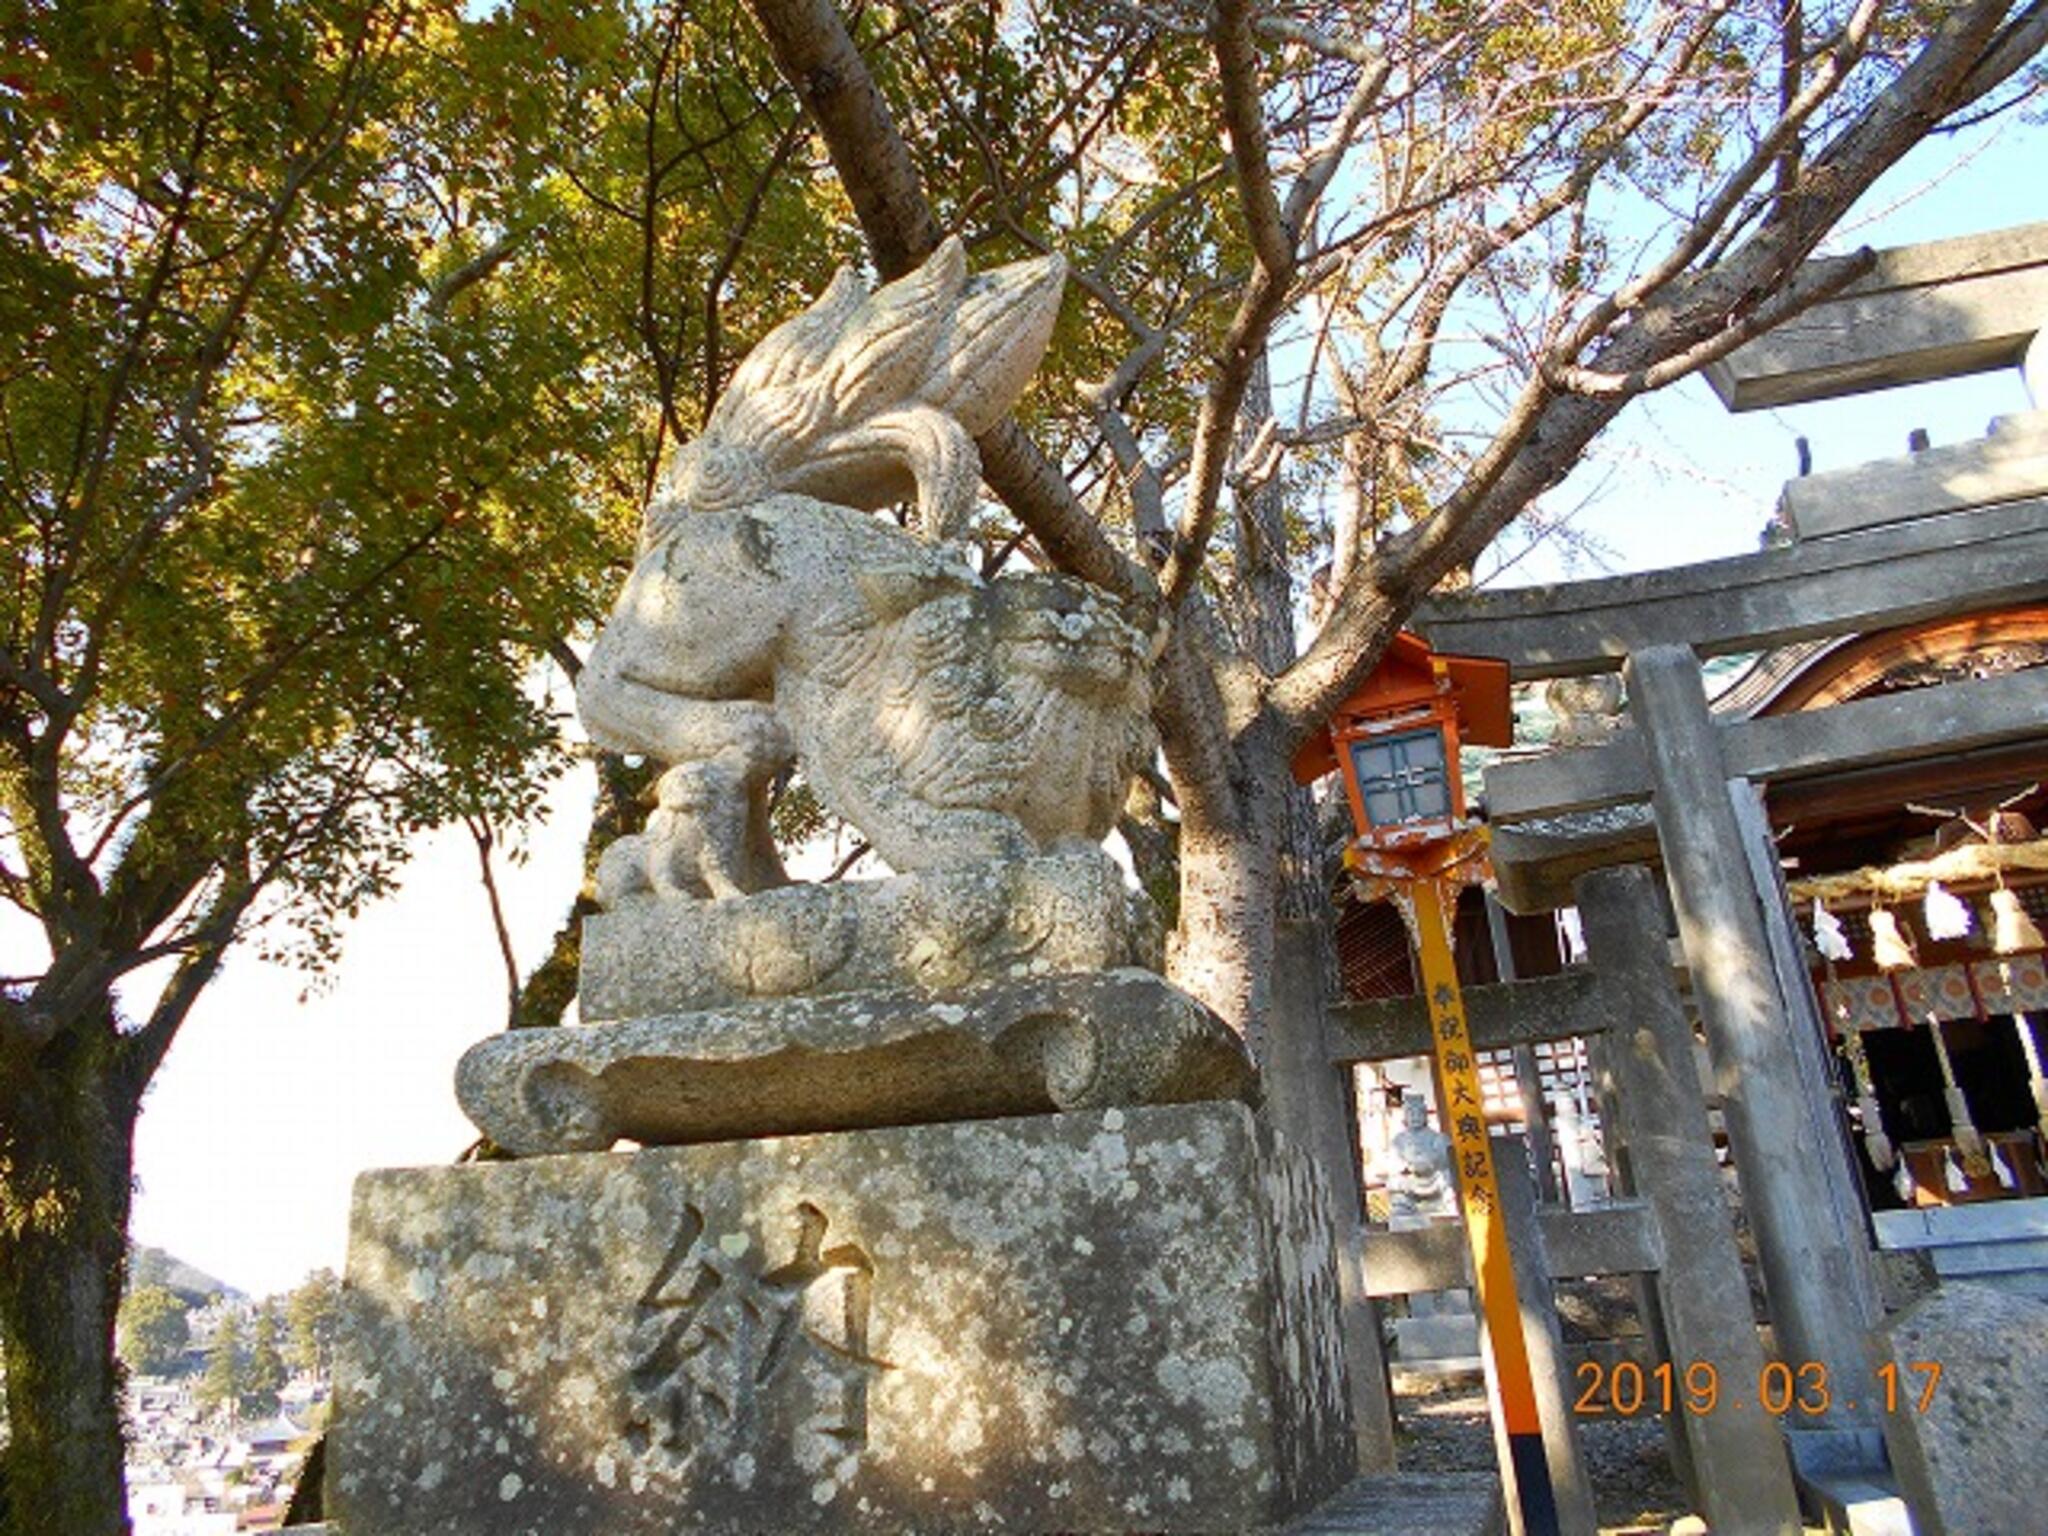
[1945, 532]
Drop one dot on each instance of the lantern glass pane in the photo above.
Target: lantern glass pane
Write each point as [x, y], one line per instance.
[1401, 777]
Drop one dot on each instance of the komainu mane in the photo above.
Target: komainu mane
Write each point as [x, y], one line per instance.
[772, 619]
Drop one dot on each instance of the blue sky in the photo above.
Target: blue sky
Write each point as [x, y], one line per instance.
[270, 1104]
[1680, 479]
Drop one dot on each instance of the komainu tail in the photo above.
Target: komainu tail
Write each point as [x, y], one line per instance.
[867, 399]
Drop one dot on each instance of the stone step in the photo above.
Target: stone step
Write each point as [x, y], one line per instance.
[1845, 1482]
[1848, 1451]
[1448, 1336]
[1426, 1375]
[1405, 1504]
[2020, 1267]
[1408, 1504]
[2000, 1242]
[1852, 1504]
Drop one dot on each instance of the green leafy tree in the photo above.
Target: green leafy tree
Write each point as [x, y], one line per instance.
[226, 1379]
[312, 1314]
[349, 335]
[153, 1330]
[264, 1373]
[303, 461]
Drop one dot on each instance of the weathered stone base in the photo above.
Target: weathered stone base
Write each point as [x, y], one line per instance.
[1111, 1321]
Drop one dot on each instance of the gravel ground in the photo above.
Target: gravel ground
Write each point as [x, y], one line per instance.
[1444, 1428]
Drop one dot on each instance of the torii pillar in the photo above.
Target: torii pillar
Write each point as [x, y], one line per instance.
[1794, 1169]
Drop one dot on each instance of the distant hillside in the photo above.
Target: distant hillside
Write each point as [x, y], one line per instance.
[153, 1266]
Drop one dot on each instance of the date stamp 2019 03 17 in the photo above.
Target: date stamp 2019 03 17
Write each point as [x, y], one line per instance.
[1624, 1389]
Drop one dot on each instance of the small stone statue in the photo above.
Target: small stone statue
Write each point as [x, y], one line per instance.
[773, 619]
[1587, 709]
[1420, 1184]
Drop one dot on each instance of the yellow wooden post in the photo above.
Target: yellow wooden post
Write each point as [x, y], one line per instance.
[1462, 1104]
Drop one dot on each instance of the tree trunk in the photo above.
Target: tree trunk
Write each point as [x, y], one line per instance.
[1231, 837]
[1223, 950]
[66, 1161]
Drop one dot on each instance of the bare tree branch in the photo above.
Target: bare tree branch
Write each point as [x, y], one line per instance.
[455, 282]
[481, 835]
[1690, 319]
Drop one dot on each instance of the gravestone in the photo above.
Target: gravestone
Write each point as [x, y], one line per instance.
[1440, 1334]
[948, 1212]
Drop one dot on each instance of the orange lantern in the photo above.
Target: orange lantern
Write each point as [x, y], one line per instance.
[1396, 742]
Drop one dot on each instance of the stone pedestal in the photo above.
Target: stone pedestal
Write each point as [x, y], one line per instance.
[802, 1065]
[1098, 1321]
[1437, 1338]
[1441, 1330]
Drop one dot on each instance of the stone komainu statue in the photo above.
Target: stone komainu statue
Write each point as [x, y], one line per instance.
[772, 618]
